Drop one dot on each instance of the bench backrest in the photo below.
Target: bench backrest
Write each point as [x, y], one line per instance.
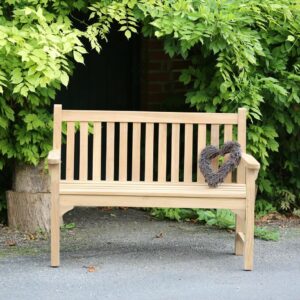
[143, 146]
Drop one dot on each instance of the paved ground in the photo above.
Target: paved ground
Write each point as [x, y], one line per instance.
[126, 255]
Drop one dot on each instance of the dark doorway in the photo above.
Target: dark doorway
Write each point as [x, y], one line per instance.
[109, 80]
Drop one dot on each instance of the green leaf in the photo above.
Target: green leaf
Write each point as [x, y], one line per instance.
[78, 57]
[64, 78]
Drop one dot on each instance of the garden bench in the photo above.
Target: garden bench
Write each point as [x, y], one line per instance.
[149, 159]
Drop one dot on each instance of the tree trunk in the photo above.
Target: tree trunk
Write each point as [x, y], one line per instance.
[29, 202]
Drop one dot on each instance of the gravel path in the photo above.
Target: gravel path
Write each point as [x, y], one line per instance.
[124, 254]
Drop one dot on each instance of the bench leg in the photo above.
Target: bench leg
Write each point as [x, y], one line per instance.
[239, 228]
[249, 224]
[55, 217]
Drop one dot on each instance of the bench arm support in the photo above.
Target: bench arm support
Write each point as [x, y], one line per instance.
[54, 157]
[250, 162]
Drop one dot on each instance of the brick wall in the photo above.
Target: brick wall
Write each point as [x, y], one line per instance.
[160, 88]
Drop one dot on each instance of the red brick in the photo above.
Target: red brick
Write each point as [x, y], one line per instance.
[154, 88]
[161, 76]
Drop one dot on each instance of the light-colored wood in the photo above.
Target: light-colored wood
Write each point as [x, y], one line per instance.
[188, 153]
[83, 152]
[55, 216]
[149, 117]
[250, 161]
[201, 146]
[54, 157]
[175, 152]
[70, 150]
[162, 152]
[241, 236]
[110, 153]
[97, 150]
[155, 188]
[65, 194]
[251, 176]
[136, 151]
[65, 209]
[57, 119]
[215, 140]
[239, 227]
[151, 201]
[227, 138]
[242, 119]
[149, 152]
[123, 151]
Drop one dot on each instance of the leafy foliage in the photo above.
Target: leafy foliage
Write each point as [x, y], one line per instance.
[242, 53]
[220, 218]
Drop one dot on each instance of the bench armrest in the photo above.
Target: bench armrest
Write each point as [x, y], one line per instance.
[250, 161]
[54, 157]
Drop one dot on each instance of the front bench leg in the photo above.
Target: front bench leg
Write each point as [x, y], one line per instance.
[251, 175]
[55, 216]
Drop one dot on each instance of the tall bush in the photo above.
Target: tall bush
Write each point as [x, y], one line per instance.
[242, 53]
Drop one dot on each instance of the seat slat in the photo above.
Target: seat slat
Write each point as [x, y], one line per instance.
[110, 153]
[188, 153]
[70, 150]
[158, 189]
[83, 159]
[162, 152]
[136, 151]
[149, 152]
[123, 151]
[175, 152]
[97, 151]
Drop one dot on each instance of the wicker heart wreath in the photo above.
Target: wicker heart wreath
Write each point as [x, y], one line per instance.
[210, 152]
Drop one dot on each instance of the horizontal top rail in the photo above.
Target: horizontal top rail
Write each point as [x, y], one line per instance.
[149, 117]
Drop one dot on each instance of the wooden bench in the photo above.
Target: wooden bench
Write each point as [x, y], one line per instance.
[149, 159]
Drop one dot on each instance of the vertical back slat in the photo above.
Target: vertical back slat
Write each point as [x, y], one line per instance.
[188, 153]
[175, 152]
[110, 150]
[201, 146]
[70, 150]
[136, 151]
[123, 151]
[214, 140]
[227, 138]
[149, 152]
[162, 152]
[97, 151]
[83, 158]
[57, 116]
[242, 119]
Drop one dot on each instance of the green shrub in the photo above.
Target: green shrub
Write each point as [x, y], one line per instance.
[243, 53]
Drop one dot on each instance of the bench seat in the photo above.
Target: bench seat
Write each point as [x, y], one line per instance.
[139, 194]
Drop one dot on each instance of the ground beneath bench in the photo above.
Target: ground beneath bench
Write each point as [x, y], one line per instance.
[125, 254]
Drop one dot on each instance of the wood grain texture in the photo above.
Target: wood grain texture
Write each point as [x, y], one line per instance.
[215, 141]
[188, 153]
[201, 146]
[149, 152]
[162, 152]
[83, 153]
[136, 151]
[227, 138]
[110, 150]
[175, 152]
[70, 150]
[97, 146]
[123, 151]
[149, 117]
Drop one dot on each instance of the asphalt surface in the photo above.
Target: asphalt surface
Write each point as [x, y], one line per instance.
[126, 255]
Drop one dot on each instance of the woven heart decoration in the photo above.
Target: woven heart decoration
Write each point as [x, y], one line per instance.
[213, 178]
